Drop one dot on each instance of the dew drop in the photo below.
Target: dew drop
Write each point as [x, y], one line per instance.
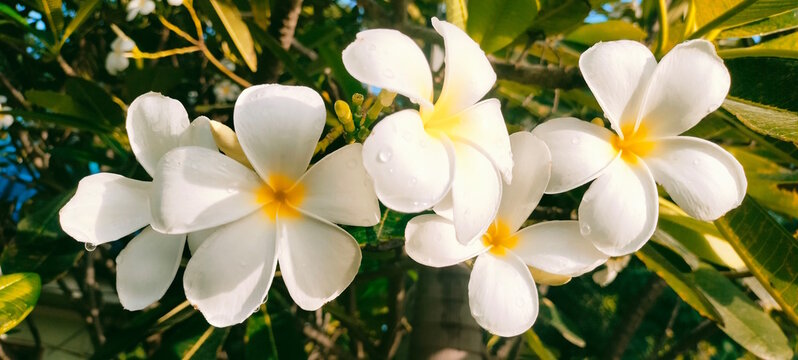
[89, 247]
[695, 162]
[390, 170]
[230, 190]
[384, 156]
[413, 181]
[415, 203]
[575, 141]
[584, 229]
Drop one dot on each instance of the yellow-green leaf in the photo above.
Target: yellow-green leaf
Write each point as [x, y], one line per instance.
[771, 121]
[773, 24]
[767, 249]
[495, 24]
[86, 8]
[768, 181]
[231, 19]
[18, 295]
[590, 34]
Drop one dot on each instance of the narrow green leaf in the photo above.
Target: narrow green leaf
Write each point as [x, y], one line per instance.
[13, 15]
[18, 295]
[536, 346]
[767, 249]
[751, 83]
[767, 120]
[743, 320]
[54, 15]
[495, 24]
[261, 12]
[259, 339]
[723, 14]
[86, 8]
[58, 103]
[92, 96]
[551, 316]
[773, 24]
[611, 30]
[679, 281]
[760, 9]
[560, 16]
[61, 120]
[237, 30]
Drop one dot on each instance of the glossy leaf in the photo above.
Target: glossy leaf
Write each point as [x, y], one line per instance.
[681, 282]
[769, 183]
[743, 320]
[18, 295]
[495, 24]
[767, 120]
[751, 83]
[560, 16]
[723, 14]
[767, 249]
[237, 30]
[259, 340]
[590, 34]
[773, 24]
[536, 346]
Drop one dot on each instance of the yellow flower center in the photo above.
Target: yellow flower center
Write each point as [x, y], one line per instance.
[634, 143]
[499, 238]
[280, 195]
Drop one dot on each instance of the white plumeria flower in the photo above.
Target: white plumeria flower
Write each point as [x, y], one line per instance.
[282, 211]
[116, 61]
[458, 146]
[6, 120]
[139, 7]
[226, 91]
[502, 293]
[175, 2]
[611, 270]
[107, 206]
[648, 105]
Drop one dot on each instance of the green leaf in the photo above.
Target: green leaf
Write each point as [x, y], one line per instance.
[261, 12]
[537, 347]
[551, 316]
[681, 282]
[767, 249]
[760, 9]
[260, 343]
[54, 15]
[751, 83]
[18, 295]
[743, 320]
[611, 30]
[769, 183]
[767, 120]
[92, 96]
[14, 15]
[722, 14]
[86, 8]
[61, 120]
[495, 24]
[773, 24]
[237, 30]
[559, 16]
[40, 245]
[331, 55]
[58, 103]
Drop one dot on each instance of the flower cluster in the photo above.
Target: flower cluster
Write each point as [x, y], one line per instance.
[244, 215]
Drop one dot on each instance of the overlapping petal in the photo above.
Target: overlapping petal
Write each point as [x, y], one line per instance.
[482, 126]
[579, 151]
[412, 171]
[146, 267]
[468, 73]
[338, 189]
[229, 276]
[196, 188]
[431, 241]
[318, 260]
[476, 193]
[502, 295]
[199, 133]
[154, 125]
[618, 74]
[701, 177]
[558, 247]
[619, 211]
[531, 174]
[689, 83]
[105, 208]
[278, 127]
[390, 60]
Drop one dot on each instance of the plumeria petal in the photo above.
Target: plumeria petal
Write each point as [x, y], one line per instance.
[476, 193]
[482, 126]
[579, 151]
[468, 73]
[412, 171]
[618, 73]
[197, 238]
[502, 295]
[105, 208]
[531, 176]
[619, 211]
[431, 241]
[146, 267]
[558, 247]
[689, 83]
[701, 177]
[338, 189]
[154, 125]
[196, 188]
[318, 260]
[199, 134]
[226, 289]
[278, 127]
[390, 60]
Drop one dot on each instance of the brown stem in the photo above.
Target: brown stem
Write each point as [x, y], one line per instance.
[285, 16]
[631, 321]
[14, 92]
[546, 76]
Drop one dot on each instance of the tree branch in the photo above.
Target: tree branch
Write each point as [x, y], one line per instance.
[552, 77]
[631, 321]
[285, 16]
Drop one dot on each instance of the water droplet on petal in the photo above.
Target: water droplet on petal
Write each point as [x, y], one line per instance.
[695, 162]
[384, 156]
[89, 247]
[231, 190]
[413, 181]
[575, 141]
[584, 229]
